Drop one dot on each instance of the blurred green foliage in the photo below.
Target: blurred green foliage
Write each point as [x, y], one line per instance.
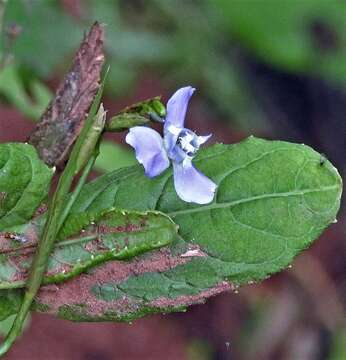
[12, 88]
[113, 156]
[178, 44]
[47, 34]
[300, 36]
[186, 42]
[198, 349]
[32, 98]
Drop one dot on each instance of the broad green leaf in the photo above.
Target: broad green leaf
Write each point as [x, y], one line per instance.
[85, 240]
[10, 301]
[273, 199]
[24, 183]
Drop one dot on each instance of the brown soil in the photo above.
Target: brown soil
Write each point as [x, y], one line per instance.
[53, 339]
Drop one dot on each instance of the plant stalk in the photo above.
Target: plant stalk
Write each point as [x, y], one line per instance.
[78, 188]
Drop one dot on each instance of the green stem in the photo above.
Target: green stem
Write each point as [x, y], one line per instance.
[18, 284]
[52, 226]
[44, 249]
[78, 188]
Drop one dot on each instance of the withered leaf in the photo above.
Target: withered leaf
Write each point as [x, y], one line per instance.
[61, 123]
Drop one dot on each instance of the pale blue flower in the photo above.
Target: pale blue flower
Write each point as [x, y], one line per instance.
[178, 145]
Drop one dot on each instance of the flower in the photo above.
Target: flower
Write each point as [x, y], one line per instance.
[179, 145]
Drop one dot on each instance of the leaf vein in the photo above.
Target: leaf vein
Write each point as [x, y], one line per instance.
[252, 198]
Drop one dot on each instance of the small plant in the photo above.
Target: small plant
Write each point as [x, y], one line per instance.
[151, 238]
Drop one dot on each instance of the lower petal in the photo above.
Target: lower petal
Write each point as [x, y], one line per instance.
[150, 152]
[191, 185]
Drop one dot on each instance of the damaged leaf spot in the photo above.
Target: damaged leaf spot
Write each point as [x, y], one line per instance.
[110, 235]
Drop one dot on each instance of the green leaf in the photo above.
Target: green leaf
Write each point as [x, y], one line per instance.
[6, 324]
[273, 199]
[10, 301]
[24, 183]
[85, 240]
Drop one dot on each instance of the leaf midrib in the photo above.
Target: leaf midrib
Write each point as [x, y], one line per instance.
[215, 205]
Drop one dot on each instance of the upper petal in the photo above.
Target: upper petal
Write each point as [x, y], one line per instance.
[191, 185]
[150, 152]
[177, 106]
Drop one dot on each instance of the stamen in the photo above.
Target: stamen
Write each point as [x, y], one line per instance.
[188, 142]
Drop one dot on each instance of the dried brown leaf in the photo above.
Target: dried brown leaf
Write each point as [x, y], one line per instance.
[61, 123]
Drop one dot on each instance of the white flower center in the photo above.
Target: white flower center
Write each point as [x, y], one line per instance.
[188, 142]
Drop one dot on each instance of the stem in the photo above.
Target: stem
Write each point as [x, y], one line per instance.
[44, 249]
[78, 188]
[52, 226]
[19, 284]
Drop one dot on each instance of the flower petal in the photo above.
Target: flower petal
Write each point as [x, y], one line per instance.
[170, 138]
[150, 152]
[204, 139]
[191, 185]
[177, 106]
